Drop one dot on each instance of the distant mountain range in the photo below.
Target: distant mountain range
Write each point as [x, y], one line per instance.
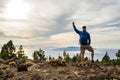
[70, 48]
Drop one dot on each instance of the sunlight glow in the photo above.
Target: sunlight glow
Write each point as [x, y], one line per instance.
[17, 9]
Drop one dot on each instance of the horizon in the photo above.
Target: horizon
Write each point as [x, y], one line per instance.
[55, 51]
[40, 24]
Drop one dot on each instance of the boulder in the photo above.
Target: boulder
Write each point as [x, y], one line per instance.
[19, 61]
[22, 67]
[12, 64]
[1, 71]
[2, 61]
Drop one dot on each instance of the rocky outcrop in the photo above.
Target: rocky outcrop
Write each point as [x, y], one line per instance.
[46, 71]
[22, 67]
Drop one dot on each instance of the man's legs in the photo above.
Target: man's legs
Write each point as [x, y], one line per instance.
[82, 49]
[89, 48]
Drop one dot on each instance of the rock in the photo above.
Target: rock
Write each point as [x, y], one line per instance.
[22, 67]
[54, 79]
[111, 69]
[4, 66]
[75, 64]
[41, 65]
[92, 70]
[9, 73]
[82, 72]
[57, 63]
[90, 76]
[29, 63]
[19, 61]
[1, 71]
[71, 77]
[35, 67]
[102, 75]
[2, 61]
[118, 69]
[116, 77]
[81, 77]
[36, 76]
[12, 64]
[64, 71]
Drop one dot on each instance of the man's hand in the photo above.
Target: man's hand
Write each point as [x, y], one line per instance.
[73, 23]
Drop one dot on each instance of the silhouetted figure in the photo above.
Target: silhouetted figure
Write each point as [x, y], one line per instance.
[84, 41]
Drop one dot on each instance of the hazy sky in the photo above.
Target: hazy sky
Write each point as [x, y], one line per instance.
[47, 23]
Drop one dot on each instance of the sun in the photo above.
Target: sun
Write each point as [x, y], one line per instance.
[17, 9]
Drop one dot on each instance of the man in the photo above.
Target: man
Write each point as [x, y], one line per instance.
[84, 41]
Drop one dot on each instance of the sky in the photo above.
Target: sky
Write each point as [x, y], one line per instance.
[48, 23]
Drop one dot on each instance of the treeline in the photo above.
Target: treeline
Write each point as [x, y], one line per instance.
[40, 56]
[9, 51]
[106, 59]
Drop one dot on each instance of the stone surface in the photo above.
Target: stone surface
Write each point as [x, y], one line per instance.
[22, 67]
[45, 71]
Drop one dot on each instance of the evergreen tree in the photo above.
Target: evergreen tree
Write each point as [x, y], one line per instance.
[113, 62]
[118, 58]
[76, 58]
[8, 50]
[39, 55]
[118, 54]
[50, 57]
[86, 59]
[68, 58]
[64, 54]
[35, 56]
[97, 60]
[20, 53]
[106, 58]
[60, 58]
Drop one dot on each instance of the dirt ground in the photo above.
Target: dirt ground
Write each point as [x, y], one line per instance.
[45, 71]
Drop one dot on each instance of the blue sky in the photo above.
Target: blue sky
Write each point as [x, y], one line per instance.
[47, 23]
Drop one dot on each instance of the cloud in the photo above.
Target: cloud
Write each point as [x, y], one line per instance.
[48, 23]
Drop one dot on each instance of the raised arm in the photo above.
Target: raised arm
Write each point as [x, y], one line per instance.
[75, 29]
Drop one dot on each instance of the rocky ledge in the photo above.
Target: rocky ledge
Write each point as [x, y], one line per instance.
[17, 69]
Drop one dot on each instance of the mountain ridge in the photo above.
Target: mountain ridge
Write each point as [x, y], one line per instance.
[69, 48]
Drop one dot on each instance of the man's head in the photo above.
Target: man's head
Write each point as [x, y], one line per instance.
[84, 28]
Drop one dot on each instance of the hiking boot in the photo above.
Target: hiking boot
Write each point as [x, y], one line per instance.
[92, 61]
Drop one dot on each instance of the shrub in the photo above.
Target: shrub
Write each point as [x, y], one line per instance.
[29, 63]
[12, 64]
[39, 55]
[106, 58]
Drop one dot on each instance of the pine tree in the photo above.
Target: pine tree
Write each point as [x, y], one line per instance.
[35, 56]
[64, 54]
[8, 50]
[86, 59]
[50, 57]
[118, 57]
[106, 58]
[20, 53]
[76, 58]
[68, 58]
[39, 55]
[118, 54]
[60, 58]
